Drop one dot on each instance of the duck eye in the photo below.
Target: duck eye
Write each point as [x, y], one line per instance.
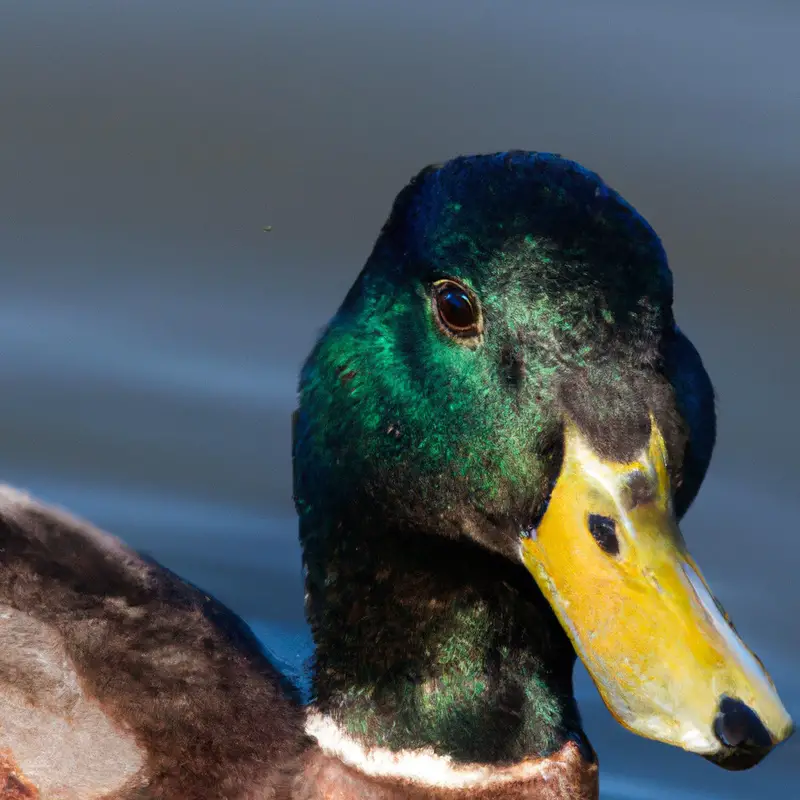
[456, 309]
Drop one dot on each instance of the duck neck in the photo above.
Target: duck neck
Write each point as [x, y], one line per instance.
[424, 642]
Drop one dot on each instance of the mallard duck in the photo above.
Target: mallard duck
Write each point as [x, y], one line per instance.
[495, 438]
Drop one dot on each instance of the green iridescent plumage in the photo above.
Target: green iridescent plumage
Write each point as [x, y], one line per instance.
[420, 459]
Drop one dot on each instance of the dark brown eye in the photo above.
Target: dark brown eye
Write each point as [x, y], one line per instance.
[456, 309]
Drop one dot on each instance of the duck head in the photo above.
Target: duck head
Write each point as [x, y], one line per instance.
[507, 370]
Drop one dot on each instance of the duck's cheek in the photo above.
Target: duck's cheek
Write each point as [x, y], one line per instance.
[610, 559]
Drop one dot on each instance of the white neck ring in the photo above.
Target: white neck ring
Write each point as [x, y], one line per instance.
[424, 766]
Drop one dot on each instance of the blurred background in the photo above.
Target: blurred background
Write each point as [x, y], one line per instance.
[151, 331]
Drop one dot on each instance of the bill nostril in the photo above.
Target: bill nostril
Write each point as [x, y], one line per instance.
[737, 725]
[604, 531]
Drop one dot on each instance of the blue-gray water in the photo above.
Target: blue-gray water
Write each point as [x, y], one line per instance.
[150, 331]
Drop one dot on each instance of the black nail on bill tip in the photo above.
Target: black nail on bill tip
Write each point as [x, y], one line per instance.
[604, 530]
[737, 725]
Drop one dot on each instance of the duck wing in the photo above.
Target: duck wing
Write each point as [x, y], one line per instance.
[119, 679]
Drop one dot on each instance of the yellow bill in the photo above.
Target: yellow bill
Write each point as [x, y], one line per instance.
[611, 561]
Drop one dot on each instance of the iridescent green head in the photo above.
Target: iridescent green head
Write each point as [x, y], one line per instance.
[460, 432]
